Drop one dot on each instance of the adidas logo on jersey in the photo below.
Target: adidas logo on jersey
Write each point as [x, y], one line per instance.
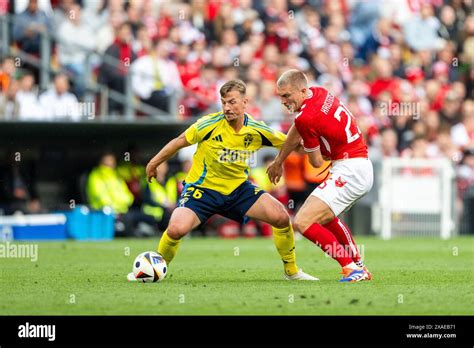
[218, 138]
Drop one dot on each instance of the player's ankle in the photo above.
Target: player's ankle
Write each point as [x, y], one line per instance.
[290, 268]
[351, 265]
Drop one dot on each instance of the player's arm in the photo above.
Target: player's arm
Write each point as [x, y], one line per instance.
[165, 154]
[315, 158]
[292, 142]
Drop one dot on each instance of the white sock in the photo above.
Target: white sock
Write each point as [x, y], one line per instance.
[352, 265]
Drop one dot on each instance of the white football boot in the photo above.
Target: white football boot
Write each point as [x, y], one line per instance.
[131, 277]
[300, 276]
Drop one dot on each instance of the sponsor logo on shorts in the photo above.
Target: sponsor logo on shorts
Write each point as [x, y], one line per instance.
[340, 182]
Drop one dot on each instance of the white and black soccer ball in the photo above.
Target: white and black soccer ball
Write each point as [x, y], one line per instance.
[149, 267]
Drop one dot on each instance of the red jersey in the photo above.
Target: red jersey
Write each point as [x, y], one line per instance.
[325, 124]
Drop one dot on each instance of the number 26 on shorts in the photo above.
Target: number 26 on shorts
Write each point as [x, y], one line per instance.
[197, 192]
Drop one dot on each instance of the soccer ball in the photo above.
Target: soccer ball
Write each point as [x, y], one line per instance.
[149, 267]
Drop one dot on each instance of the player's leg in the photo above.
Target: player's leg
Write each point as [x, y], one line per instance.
[349, 181]
[195, 206]
[355, 182]
[271, 211]
[309, 220]
[344, 236]
[181, 222]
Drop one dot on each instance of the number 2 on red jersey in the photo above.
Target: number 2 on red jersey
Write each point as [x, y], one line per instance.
[350, 137]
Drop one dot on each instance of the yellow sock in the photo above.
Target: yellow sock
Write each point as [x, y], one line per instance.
[168, 247]
[284, 239]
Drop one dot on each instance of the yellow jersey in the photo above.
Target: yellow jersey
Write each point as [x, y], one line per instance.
[223, 156]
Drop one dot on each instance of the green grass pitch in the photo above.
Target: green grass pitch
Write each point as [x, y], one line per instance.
[210, 276]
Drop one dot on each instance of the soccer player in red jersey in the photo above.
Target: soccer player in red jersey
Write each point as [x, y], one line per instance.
[327, 130]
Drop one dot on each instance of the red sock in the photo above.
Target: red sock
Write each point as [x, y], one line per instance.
[328, 242]
[344, 236]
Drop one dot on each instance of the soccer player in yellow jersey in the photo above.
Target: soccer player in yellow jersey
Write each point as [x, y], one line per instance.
[218, 180]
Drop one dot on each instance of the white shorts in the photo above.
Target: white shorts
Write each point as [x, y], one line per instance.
[350, 179]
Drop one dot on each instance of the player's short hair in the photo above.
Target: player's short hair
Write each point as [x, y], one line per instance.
[293, 77]
[233, 85]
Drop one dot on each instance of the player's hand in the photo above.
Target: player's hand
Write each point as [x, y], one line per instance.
[151, 171]
[275, 172]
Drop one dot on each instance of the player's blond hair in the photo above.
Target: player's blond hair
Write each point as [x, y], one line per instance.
[293, 77]
[233, 85]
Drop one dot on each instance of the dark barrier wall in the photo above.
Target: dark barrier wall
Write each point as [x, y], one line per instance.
[58, 153]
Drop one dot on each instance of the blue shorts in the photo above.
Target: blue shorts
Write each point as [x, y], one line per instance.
[206, 202]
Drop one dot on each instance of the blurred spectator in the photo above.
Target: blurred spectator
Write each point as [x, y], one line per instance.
[260, 177]
[161, 197]
[387, 146]
[418, 149]
[252, 107]
[449, 27]
[378, 41]
[107, 33]
[467, 40]
[384, 81]
[142, 45]
[112, 73]
[190, 25]
[28, 25]
[22, 5]
[201, 92]
[9, 105]
[106, 189]
[224, 20]
[149, 21]
[58, 103]
[463, 132]
[268, 102]
[421, 33]
[27, 97]
[188, 68]
[362, 21]
[155, 78]
[62, 13]
[450, 110]
[18, 190]
[76, 41]
[295, 180]
[443, 146]
[133, 173]
[7, 73]
[466, 171]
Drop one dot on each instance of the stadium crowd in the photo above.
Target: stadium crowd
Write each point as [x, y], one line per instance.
[404, 68]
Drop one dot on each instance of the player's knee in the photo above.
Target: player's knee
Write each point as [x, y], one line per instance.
[176, 231]
[281, 219]
[300, 224]
[323, 216]
[325, 219]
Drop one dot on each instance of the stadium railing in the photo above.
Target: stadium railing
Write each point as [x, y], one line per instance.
[43, 63]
